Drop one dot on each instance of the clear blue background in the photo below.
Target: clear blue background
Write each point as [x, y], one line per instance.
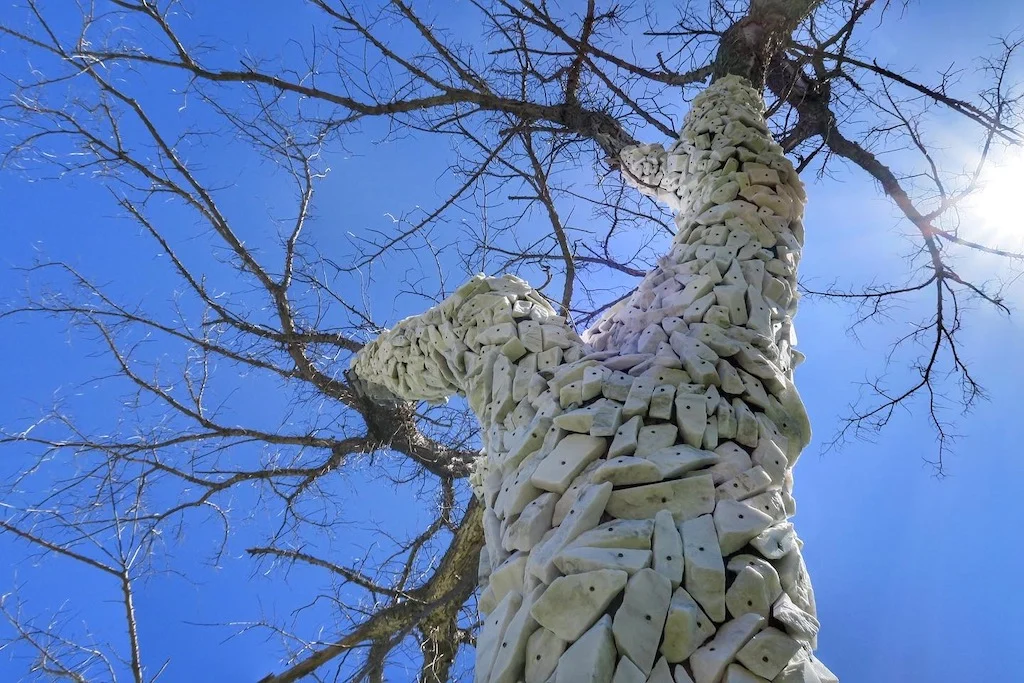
[916, 577]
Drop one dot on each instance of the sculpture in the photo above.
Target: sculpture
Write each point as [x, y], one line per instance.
[638, 479]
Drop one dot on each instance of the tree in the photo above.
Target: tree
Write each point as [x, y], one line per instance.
[552, 90]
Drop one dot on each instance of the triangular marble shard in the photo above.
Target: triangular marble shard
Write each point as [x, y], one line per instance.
[572, 604]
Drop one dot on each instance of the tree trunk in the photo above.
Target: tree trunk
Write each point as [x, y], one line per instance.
[637, 482]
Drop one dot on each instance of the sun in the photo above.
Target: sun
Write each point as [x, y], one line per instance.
[996, 209]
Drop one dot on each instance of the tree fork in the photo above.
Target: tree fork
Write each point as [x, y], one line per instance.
[749, 45]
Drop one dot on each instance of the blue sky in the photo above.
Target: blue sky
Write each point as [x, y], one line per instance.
[914, 575]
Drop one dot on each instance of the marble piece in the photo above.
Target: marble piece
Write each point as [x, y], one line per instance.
[586, 559]
[618, 533]
[737, 524]
[542, 652]
[591, 659]
[797, 623]
[628, 672]
[661, 673]
[510, 655]
[531, 524]
[566, 460]
[775, 541]
[691, 417]
[767, 653]
[710, 661]
[491, 632]
[607, 419]
[684, 498]
[627, 470]
[582, 516]
[625, 440]
[667, 548]
[639, 620]
[662, 401]
[572, 604]
[687, 627]
[704, 572]
[568, 499]
[509, 576]
[748, 593]
[654, 437]
[675, 461]
[735, 673]
[746, 484]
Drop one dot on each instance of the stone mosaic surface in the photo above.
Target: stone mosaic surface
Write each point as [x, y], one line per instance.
[638, 479]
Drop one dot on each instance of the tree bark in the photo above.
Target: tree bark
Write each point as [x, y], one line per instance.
[748, 46]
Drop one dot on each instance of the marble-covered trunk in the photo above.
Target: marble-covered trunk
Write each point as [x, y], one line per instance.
[638, 480]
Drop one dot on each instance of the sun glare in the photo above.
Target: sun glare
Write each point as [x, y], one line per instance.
[997, 207]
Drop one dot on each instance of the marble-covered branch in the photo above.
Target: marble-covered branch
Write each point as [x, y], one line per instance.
[638, 486]
[453, 347]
